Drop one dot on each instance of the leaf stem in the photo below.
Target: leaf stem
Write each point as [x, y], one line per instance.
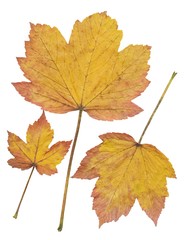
[69, 170]
[17, 211]
[157, 106]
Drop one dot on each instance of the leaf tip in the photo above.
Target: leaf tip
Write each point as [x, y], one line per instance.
[100, 223]
[8, 132]
[32, 25]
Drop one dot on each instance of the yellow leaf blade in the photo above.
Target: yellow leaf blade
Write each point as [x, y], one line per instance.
[127, 171]
[87, 73]
[36, 152]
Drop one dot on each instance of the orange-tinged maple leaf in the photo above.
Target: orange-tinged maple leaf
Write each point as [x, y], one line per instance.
[127, 171]
[36, 153]
[88, 73]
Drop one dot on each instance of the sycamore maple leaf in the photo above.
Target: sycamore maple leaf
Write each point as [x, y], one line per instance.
[36, 153]
[88, 73]
[127, 171]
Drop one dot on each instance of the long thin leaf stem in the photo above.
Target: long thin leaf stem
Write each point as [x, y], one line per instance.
[17, 211]
[69, 171]
[157, 106]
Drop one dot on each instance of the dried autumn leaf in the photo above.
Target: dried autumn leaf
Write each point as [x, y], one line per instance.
[36, 153]
[88, 73]
[127, 171]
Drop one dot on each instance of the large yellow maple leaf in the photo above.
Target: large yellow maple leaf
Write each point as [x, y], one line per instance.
[36, 152]
[127, 171]
[88, 73]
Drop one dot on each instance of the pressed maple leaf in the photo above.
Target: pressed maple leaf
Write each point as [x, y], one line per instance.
[35, 152]
[88, 73]
[127, 171]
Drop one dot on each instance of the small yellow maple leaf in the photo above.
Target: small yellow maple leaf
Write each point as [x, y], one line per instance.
[88, 73]
[127, 171]
[36, 153]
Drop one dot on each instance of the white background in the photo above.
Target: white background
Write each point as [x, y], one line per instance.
[158, 23]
